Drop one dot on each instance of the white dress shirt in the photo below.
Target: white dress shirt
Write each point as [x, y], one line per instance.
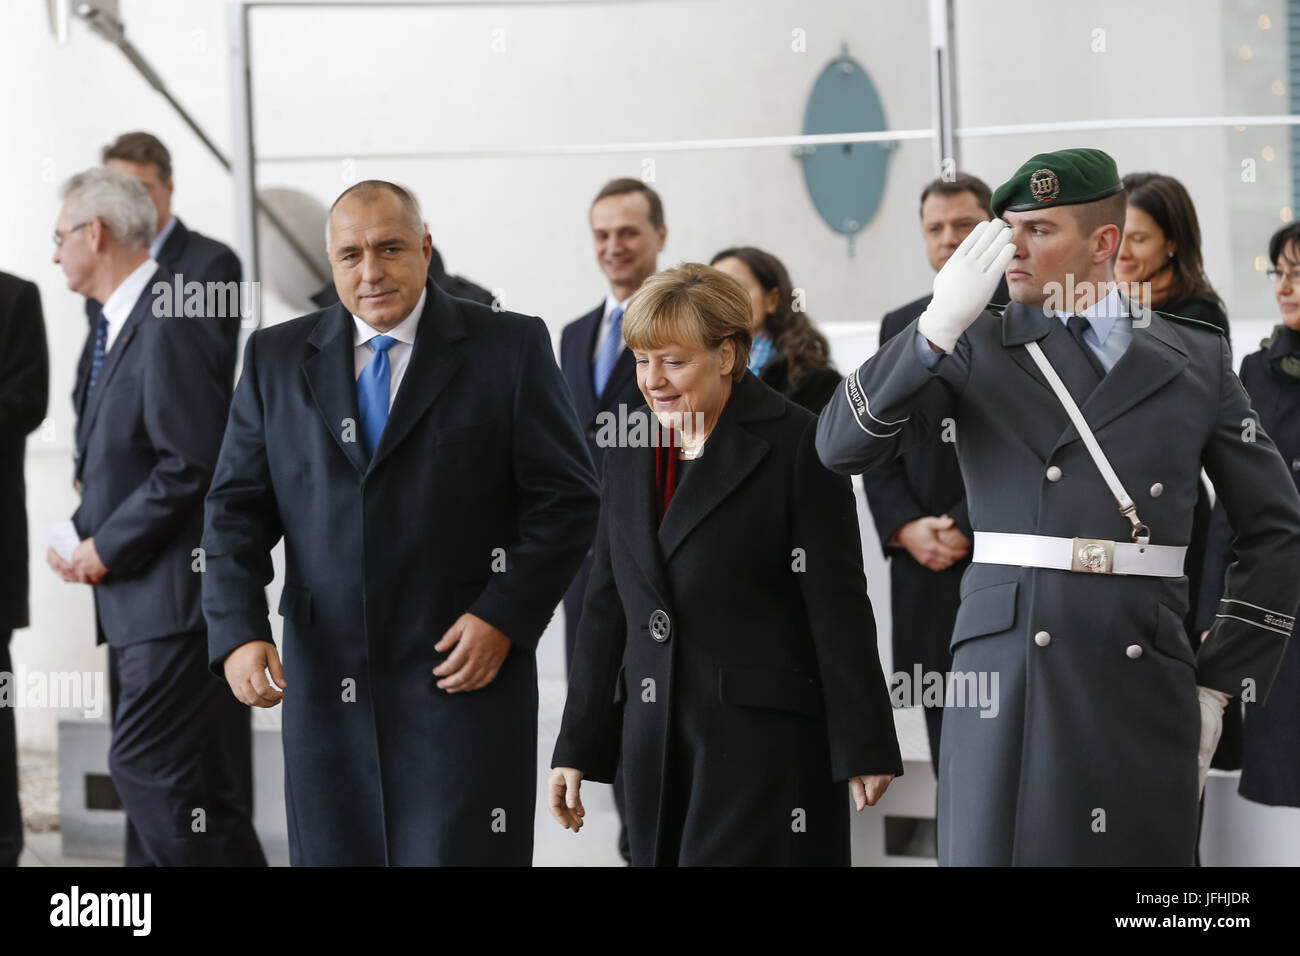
[123, 299]
[399, 353]
[611, 304]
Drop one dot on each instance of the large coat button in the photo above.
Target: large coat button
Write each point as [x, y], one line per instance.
[1157, 490]
[1053, 474]
[660, 626]
[1134, 651]
[1042, 638]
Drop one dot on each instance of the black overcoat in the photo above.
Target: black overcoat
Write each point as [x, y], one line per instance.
[728, 655]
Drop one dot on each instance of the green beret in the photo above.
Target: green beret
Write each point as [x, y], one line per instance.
[1062, 178]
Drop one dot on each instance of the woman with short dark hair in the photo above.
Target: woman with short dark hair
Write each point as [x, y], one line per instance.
[1270, 751]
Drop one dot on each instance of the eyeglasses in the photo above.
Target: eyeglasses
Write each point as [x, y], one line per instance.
[59, 237]
[1277, 275]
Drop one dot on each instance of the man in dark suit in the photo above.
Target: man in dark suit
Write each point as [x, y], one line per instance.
[918, 500]
[188, 255]
[150, 414]
[24, 388]
[628, 231]
[421, 459]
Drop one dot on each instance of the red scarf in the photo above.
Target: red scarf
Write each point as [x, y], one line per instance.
[665, 471]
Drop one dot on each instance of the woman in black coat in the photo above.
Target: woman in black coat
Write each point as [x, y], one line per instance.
[787, 352]
[1270, 756]
[726, 655]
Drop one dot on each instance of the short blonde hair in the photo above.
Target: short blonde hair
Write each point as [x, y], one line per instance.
[693, 304]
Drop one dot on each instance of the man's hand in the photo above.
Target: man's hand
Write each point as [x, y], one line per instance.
[868, 789]
[963, 286]
[566, 804]
[245, 671]
[934, 542]
[62, 568]
[1212, 704]
[85, 561]
[480, 649]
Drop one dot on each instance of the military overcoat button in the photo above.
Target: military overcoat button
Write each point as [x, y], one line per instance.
[660, 626]
[1157, 490]
[1053, 474]
[1042, 638]
[1134, 651]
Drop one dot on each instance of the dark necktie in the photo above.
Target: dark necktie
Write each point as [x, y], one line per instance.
[1077, 325]
[101, 339]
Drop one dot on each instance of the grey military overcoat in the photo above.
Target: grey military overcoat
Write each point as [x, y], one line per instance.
[1090, 754]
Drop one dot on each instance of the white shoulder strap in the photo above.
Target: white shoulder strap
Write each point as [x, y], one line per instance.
[1128, 509]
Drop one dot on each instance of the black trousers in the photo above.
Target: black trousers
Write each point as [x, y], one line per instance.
[181, 757]
[11, 817]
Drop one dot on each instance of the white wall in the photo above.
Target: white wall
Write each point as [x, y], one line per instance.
[349, 82]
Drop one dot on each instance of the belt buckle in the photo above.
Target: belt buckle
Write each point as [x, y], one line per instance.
[1092, 555]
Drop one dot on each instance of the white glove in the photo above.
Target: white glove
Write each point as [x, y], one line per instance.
[964, 284]
[1212, 704]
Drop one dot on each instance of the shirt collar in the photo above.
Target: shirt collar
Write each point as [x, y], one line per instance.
[123, 299]
[612, 303]
[404, 331]
[160, 240]
[1101, 315]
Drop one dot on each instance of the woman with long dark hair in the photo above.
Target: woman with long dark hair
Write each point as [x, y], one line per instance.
[789, 353]
[1162, 246]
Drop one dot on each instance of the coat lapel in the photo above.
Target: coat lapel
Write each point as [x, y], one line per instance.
[731, 453]
[331, 378]
[1154, 357]
[114, 357]
[639, 530]
[437, 355]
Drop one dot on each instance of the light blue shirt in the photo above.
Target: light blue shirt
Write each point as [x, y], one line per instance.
[1110, 330]
[161, 238]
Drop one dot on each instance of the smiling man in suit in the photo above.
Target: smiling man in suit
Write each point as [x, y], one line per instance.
[150, 412]
[420, 457]
[188, 255]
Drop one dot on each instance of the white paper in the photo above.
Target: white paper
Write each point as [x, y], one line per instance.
[63, 538]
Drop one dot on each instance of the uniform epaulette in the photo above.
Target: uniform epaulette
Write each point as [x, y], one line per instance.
[1193, 322]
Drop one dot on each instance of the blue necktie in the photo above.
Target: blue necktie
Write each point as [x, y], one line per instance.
[372, 392]
[101, 339]
[608, 354]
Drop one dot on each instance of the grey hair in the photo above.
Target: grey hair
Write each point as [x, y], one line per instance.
[120, 201]
[368, 190]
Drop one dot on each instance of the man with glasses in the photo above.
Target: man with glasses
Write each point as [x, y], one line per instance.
[151, 408]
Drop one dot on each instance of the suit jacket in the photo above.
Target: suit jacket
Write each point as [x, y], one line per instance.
[727, 656]
[922, 481]
[479, 498]
[147, 440]
[24, 388]
[1097, 704]
[577, 346]
[194, 257]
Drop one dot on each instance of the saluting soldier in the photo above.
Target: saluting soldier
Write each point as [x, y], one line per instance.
[1081, 517]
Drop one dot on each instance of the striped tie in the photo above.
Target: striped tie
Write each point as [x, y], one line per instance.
[101, 338]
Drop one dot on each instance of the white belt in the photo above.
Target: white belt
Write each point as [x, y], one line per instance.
[1090, 555]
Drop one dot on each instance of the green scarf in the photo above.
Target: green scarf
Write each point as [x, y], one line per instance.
[1288, 362]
